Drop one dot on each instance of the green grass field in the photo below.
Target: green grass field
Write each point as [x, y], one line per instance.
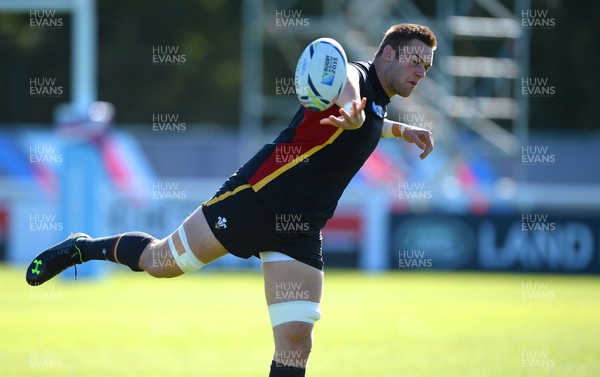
[216, 325]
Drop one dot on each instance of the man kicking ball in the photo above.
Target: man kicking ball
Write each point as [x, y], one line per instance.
[242, 217]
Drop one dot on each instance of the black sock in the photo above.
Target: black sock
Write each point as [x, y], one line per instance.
[280, 370]
[125, 248]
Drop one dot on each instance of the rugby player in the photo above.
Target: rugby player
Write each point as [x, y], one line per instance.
[298, 178]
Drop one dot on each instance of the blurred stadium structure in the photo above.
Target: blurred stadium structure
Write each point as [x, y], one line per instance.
[491, 196]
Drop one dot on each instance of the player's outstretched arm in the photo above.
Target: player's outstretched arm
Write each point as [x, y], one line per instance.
[421, 137]
[352, 114]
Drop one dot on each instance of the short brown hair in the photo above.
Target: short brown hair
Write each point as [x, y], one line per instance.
[399, 35]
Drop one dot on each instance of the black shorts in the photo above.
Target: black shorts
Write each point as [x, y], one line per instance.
[246, 226]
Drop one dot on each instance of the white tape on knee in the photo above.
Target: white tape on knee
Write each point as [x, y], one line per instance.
[187, 261]
[302, 311]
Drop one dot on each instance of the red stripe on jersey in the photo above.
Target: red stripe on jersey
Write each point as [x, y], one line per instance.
[309, 134]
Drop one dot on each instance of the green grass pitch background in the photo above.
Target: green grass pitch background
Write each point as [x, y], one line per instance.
[214, 324]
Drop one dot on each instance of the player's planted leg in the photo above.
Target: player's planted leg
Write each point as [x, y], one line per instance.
[293, 291]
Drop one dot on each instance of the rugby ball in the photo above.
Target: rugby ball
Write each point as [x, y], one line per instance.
[321, 74]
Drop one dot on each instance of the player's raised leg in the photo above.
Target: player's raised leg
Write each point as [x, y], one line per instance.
[187, 249]
[293, 290]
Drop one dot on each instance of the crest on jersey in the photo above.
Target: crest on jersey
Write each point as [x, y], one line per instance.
[377, 109]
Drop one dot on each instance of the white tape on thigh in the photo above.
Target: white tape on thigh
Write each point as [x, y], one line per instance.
[273, 256]
[302, 311]
[187, 261]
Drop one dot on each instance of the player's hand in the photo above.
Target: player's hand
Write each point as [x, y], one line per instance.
[421, 137]
[347, 121]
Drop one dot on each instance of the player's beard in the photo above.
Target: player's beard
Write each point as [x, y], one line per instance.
[405, 89]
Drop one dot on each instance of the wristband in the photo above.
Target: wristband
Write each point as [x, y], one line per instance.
[391, 129]
[402, 128]
[386, 131]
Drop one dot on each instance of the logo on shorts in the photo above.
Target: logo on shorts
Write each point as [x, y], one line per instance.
[221, 223]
